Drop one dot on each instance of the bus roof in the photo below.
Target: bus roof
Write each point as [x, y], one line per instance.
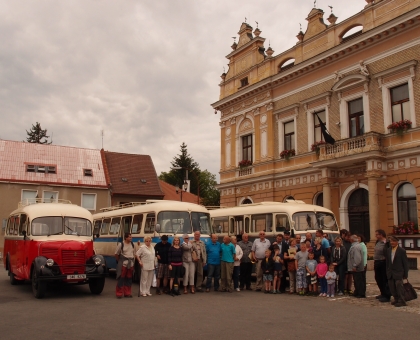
[268, 207]
[53, 209]
[149, 206]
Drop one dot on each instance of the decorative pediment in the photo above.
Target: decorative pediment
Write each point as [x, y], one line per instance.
[246, 124]
[316, 23]
[349, 82]
[245, 34]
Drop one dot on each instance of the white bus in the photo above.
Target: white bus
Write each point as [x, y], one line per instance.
[273, 218]
[152, 218]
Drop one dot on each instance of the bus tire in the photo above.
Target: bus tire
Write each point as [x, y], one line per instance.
[96, 286]
[38, 287]
[12, 278]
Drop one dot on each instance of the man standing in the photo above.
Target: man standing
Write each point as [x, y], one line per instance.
[308, 237]
[396, 271]
[161, 251]
[200, 248]
[246, 264]
[379, 266]
[258, 253]
[228, 258]
[356, 266]
[213, 263]
[283, 247]
[124, 254]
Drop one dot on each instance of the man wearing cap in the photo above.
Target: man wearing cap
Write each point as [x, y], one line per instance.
[200, 248]
[396, 271]
[161, 252]
[259, 247]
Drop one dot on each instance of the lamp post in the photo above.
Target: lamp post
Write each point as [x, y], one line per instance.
[183, 188]
[186, 178]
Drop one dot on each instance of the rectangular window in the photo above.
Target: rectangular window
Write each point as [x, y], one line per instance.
[50, 196]
[105, 226]
[282, 222]
[356, 118]
[127, 224]
[88, 172]
[89, 201]
[247, 148]
[289, 135]
[29, 196]
[400, 103]
[41, 168]
[150, 223]
[96, 227]
[220, 225]
[137, 223]
[244, 82]
[114, 228]
[317, 126]
[263, 222]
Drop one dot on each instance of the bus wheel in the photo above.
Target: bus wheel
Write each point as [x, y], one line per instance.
[12, 278]
[96, 286]
[38, 287]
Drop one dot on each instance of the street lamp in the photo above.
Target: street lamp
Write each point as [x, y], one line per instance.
[183, 188]
[186, 178]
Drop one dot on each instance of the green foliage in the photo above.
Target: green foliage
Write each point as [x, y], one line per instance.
[209, 195]
[36, 134]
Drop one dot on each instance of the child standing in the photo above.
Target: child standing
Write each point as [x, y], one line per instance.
[267, 266]
[291, 266]
[330, 277]
[300, 261]
[278, 267]
[321, 270]
[311, 270]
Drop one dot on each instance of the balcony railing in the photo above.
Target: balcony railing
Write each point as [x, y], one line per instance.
[368, 142]
[245, 171]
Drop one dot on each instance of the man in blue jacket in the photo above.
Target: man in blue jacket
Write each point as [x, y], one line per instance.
[213, 250]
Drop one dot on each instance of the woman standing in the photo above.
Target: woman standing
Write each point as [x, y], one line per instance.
[318, 250]
[146, 257]
[339, 260]
[188, 263]
[237, 263]
[175, 264]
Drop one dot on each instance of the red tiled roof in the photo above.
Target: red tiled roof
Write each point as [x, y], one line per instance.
[69, 162]
[132, 174]
[170, 193]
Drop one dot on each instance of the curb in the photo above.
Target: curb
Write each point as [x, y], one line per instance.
[415, 287]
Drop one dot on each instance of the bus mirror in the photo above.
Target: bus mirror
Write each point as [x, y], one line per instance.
[96, 235]
[157, 228]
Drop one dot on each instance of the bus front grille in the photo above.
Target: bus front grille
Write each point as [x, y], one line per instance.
[73, 261]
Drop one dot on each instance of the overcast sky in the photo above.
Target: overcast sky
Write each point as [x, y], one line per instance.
[145, 71]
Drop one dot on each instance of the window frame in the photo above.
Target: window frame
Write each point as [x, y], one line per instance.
[357, 116]
[249, 148]
[412, 198]
[280, 128]
[54, 192]
[94, 202]
[30, 190]
[292, 138]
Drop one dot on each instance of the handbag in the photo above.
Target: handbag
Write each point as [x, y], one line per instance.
[194, 255]
[409, 292]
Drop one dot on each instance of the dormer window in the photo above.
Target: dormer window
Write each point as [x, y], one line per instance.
[88, 172]
[51, 169]
[244, 82]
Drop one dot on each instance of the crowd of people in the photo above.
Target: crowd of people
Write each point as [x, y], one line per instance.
[314, 266]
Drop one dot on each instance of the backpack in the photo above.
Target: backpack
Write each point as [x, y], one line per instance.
[122, 245]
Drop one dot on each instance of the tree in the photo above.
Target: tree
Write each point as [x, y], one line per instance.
[209, 195]
[36, 134]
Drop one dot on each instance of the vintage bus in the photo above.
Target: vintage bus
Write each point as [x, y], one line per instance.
[151, 218]
[52, 242]
[273, 217]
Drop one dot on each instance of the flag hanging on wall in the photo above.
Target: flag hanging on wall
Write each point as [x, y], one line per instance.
[325, 133]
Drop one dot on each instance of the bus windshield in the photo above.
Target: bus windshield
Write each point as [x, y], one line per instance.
[310, 221]
[54, 225]
[201, 222]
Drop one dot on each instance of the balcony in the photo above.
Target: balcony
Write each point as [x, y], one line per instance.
[244, 171]
[370, 141]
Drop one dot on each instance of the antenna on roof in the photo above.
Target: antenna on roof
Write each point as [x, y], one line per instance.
[52, 134]
[102, 136]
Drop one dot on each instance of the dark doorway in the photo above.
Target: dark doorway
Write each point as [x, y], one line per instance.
[359, 213]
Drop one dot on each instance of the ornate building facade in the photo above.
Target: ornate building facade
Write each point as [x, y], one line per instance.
[358, 84]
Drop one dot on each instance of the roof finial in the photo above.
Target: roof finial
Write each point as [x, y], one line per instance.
[224, 69]
[331, 8]
[257, 23]
[234, 39]
[300, 27]
[314, 3]
[245, 19]
[269, 43]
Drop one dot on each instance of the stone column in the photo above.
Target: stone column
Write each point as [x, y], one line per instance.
[326, 191]
[373, 204]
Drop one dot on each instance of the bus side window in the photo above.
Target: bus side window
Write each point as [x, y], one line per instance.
[231, 226]
[17, 224]
[247, 225]
[22, 224]
[150, 223]
[137, 224]
[282, 223]
[262, 222]
[115, 225]
[126, 223]
[96, 227]
[105, 226]
[10, 225]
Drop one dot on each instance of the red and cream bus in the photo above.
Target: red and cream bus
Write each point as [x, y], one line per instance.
[52, 242]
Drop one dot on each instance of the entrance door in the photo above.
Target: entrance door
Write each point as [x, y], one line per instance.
[359, 213]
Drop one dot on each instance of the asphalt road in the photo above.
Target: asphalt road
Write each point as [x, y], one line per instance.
[71, 312]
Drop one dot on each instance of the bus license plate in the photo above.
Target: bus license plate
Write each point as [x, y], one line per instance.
[76, 277]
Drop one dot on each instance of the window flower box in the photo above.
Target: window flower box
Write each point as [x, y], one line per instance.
[316, 146]
[286, 154]
[406, 228]
[400, 127]
[244, 163]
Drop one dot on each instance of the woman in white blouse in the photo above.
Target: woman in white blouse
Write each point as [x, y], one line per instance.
[146, 257]
[237, 263]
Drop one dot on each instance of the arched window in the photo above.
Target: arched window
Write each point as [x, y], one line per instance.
[289, 63]
[289, 198]
[246, 201]
[352, 33]
[407, 203]
[320, 200]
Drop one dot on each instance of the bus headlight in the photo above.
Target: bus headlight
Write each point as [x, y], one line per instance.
[49, 262]
[97, 261]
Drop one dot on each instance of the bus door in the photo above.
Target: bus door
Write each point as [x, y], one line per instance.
[114, 230]
[12, 243]
[281, 223]
[22, 247]
[125, 226]
[247, 223]
[236, 225]
[149, 226]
